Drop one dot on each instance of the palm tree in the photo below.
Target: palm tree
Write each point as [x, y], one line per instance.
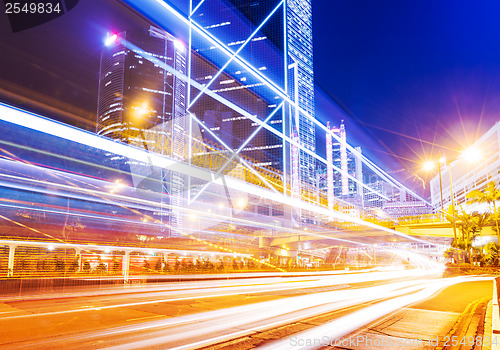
[493, 253]
[450, 253]
[490, 195]
[469, 225]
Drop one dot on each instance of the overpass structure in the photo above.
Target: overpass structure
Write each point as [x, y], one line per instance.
[56, 177]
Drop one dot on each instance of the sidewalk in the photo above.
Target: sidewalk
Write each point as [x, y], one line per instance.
[453, 319]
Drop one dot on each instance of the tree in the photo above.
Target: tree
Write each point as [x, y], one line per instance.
[469, 225]
[490, 195]
[492, 256]
[166, 267]
[450, 254]
[74, 265]
[101, 267]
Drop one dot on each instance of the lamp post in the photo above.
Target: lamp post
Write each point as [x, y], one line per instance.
[441, 191]
[452, 202]
[428, 166]
[471, 155]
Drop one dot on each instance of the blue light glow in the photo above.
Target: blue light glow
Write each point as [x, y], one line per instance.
[110, 39]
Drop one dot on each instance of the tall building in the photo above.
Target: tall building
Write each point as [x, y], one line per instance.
[135, 94]
[346, 166]
[275, 39]
[233, 22]
[143, 104]
[300, 82]
[248, 60]
[228, 125]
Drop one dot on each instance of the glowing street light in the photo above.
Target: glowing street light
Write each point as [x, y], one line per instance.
[428, 165]
[470, 155]
[241, 203]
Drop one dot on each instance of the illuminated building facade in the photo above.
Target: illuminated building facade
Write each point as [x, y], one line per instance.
[262, 33]
[134, 93]
[300, 82]
[250, 79]
[233, 128]
[143, 104]
[345, 167]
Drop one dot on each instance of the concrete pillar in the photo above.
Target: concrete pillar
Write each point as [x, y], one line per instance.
[126, 266]
[10, 268]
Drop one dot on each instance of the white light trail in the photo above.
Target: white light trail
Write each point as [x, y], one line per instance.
[35, 122]
[342, 326]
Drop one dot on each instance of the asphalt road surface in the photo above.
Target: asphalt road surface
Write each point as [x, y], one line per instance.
[197, 314]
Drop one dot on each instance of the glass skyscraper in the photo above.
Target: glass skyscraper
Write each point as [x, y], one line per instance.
[136, 94]
[142, 103]
[250, 84]
[300, 82]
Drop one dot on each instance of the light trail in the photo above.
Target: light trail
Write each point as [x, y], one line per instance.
[213, 289]
[257, 317]
[35, 122]
[97, 194]
[342, 326]
[304, 297]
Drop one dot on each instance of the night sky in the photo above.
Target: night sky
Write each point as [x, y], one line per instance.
[417, 77]
[422, 77]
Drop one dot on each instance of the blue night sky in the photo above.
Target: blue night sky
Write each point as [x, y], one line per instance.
[418, 77]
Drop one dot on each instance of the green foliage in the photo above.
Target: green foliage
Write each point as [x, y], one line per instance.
[490, 195]
[115, 265]
[166, 268]
[60, 266]
[73, 266]
[449, 253]
[492, 256]
[101, 267]
[469, 225]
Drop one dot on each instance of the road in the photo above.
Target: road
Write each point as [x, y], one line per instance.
[197, 314]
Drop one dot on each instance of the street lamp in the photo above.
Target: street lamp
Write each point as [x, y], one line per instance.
[470, 155]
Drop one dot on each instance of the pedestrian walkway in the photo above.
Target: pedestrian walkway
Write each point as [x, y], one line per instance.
[454, 319]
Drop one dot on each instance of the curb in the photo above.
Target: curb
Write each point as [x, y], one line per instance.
[469, 310]
[495, 319]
